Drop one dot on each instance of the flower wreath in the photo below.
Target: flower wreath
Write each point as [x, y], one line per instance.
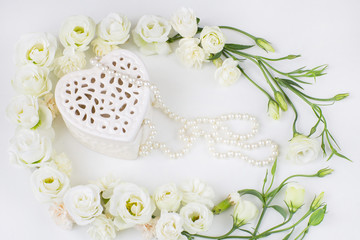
[110, 205]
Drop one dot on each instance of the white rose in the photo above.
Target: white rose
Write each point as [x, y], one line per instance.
[71, 61]
[63, 163]
[107, 185]
[197, 191]
[83, 203]
[60, 216]
[169, 226]
[303, 149]
[102, 228]
[184, 22]
[36, 48]
[46, 117]
[197, 217]
[168, 197]
[77, 32]
[32, 80]
[151, 34]
[49, 184]
[228, 73]
[114, 29]
[294, 196]
[30, 148]
[190, 54]
[23, 110]
[101, 47]
[212, 39]
[130, 205]
[244, 212]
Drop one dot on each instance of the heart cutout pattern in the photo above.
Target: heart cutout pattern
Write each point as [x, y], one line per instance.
[103, 111]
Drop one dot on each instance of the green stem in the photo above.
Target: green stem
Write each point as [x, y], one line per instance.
[240, 31]
[294, 225]
[226, 235]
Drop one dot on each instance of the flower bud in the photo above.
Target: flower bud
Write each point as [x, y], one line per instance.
[290, 57]
[323, 172]
[273, 110]
[294, 196]
[264, 44]
[231, 200]
[280, 99]
[341, 96]
[217, 62]
[244, 212]
[317, 202]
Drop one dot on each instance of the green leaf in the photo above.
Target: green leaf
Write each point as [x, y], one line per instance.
[287, 82]
[234, 46]
[288, 236]
[197, 20]
[273, 169]
[342, 156]
[280, 210]
[317, 217]
[252, 192]
[215, 56]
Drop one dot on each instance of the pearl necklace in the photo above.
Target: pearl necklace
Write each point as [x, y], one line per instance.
[191, 128]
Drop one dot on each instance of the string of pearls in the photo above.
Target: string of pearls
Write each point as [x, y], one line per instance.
[193, 129]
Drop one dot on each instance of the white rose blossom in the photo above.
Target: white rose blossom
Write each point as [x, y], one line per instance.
[169, 226]
[228, 73]
[151, 34]
[101, 47]
[32, 80]
[212, 39]
[130, 205]
[168, 197]
[102, 228]
[60, 216]
[23, 110]
[107, 185]
[49, 184]
[197, 217]
[114, 29]
[244, 212]
[63, 163]
[197, 191]
[184, 22]
[71, 61]
[30, 148]
[303, 149]
[36, 48]
[190, 53]
[77, 32]
[83, 203]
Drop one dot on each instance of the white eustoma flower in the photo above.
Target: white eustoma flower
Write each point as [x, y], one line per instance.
[60, 216]
[23, 110]
[83, 203]
[114, 29]
[168, 197]
[303, 149]
[228, 73]
[294, 196]
[36, 48]
[190, 53]
[32, 80]
[30, 148]
[130, 205]
[71, 61]
[77, 32]
[212, 39]
[63, 163]
[169, 226]
[197, 217]
[151, 34]
[107, 185]
[197, 191]
[244, 212]
[49, 184]
[101, 47]
[102, 228]
[184, 22]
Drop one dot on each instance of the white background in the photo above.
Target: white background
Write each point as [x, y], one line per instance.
[322, 31]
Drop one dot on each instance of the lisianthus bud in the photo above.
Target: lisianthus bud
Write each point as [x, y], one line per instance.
[264, 44]
[273, 110]
[280, 99]
[323, 172]
[317, 201]
[294, 196]
[341, 96]
[244, 212]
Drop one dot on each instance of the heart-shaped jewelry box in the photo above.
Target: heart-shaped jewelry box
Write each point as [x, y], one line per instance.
[104, 111]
